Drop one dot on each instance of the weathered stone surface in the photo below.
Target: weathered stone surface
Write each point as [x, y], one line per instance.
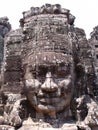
[5, 27]
[84, 63]
[48, 9]
[6, 127]
[48, 74]
[66, 127]
[12, 67]
[93, 41]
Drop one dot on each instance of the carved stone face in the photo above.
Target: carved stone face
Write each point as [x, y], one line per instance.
[49, 86]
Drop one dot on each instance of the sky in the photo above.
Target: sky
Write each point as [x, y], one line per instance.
[85, 11]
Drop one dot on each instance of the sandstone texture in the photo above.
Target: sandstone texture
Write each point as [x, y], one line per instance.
[48, 72]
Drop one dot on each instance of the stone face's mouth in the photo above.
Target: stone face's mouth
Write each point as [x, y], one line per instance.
[49, 95]
[48, 104]
[50, 101]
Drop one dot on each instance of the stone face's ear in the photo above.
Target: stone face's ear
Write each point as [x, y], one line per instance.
[28, 74]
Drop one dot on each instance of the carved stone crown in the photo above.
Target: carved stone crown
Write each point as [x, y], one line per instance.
[46, 29]
[47, 9]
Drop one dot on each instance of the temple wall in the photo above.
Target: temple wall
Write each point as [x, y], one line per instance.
[4, 29]
[12, 68]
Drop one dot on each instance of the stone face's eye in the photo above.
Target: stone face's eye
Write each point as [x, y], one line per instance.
[41, 71]
[62, 71]
[57, 71]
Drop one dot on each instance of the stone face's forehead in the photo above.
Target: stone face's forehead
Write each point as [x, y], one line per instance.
[48, 58]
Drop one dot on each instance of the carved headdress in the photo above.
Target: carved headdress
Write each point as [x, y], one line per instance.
[46, 34]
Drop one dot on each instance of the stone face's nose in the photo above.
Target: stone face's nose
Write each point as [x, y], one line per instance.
[49, 85]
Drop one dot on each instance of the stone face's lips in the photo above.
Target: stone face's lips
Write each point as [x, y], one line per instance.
[50, 101]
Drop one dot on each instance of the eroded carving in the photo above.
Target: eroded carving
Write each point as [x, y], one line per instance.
[57, 80]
